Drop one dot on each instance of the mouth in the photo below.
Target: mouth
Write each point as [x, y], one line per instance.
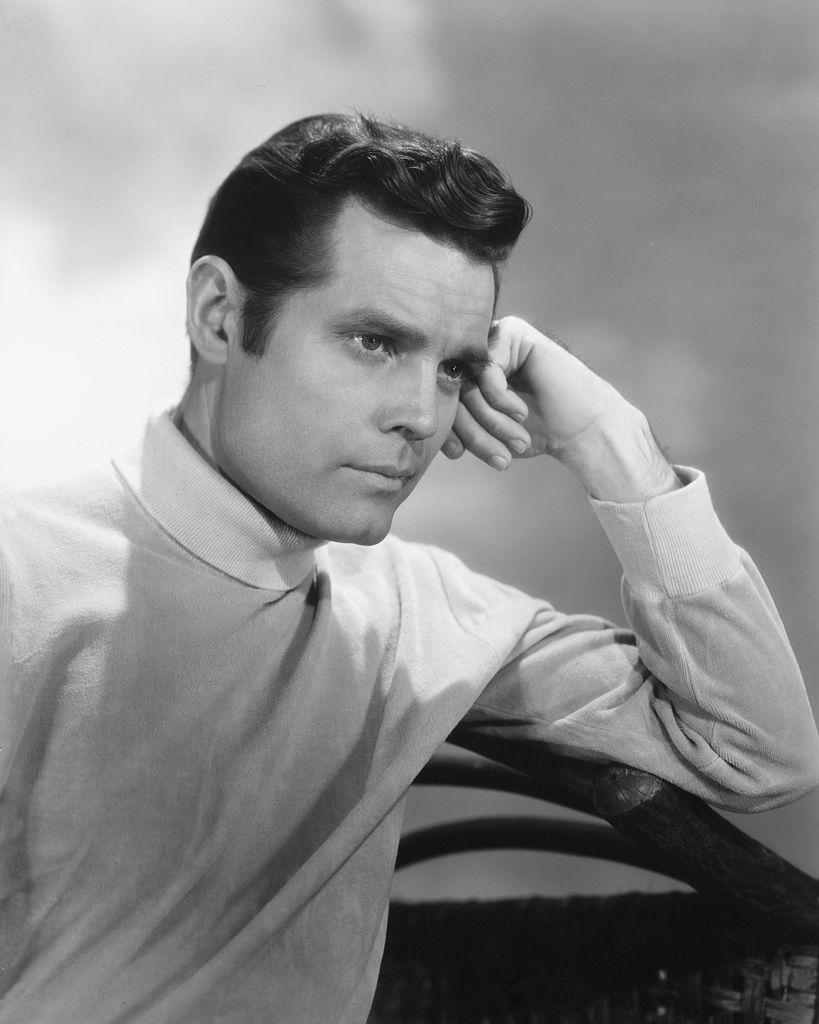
[386, 476]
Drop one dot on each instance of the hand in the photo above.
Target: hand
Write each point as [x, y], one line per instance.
[537, 398]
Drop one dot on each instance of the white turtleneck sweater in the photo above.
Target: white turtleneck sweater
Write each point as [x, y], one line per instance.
[209, 723]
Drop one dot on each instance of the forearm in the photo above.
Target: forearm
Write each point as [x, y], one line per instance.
[704, 691]
[709, 632]
[727, 691]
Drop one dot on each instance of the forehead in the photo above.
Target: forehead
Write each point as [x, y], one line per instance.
[434, 287]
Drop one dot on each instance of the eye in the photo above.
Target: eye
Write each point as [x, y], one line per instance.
[369, 342]
[455, 371]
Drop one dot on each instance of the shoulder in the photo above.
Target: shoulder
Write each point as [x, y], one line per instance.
[393, 562]
[94, 493]
[54, 522]
[421, 579]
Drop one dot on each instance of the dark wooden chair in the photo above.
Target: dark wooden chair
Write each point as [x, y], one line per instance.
[743, 947]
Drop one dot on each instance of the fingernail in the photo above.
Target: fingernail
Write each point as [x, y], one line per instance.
[498, 462]
[518, 446]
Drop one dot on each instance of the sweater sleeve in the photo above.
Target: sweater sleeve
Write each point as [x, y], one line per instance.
[703, 690]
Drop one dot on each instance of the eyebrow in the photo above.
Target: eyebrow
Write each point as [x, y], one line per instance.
[380, 322]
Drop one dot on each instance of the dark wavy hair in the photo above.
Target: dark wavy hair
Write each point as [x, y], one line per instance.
[271, 218]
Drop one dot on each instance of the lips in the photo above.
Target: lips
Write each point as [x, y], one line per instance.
[391, 471]
[396, 474]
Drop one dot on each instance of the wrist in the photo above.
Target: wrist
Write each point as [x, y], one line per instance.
[618, 459]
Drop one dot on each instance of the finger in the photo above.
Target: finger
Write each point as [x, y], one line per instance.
[495, 422]
[480, 443]
[495, 387]
[453, 447]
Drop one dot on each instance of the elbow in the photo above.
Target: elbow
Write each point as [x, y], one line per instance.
[772, 794]
[744, 767]
[796, 777]
[761, 780]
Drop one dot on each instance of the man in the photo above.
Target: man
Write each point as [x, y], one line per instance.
[219, 678]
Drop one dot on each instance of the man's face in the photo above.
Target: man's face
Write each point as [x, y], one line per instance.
[336, 423]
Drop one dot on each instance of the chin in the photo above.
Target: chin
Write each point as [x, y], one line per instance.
[351, 532]
[365, 537]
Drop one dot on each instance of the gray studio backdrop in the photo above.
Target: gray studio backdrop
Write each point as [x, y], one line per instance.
[670, 152]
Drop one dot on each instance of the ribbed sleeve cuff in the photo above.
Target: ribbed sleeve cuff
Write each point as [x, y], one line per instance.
[672, 545]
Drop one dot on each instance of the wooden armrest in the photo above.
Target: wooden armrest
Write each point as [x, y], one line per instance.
[714, 856]
[667, 827]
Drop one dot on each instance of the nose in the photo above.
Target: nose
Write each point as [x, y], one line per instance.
[412, 406]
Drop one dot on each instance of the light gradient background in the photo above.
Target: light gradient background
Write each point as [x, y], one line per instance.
[669, 149]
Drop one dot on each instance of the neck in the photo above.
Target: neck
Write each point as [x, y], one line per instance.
[208, 516]
[194, 415]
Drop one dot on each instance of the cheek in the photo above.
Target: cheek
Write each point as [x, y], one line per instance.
[243, 429]
[446, 417]
[280, 437]
[260, 410]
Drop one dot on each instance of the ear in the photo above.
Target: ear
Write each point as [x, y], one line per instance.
[214, 308]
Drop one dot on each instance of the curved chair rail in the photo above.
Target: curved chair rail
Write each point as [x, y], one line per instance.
[552, 835]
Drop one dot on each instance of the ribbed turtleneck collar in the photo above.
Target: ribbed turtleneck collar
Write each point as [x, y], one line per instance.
[208, 516]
